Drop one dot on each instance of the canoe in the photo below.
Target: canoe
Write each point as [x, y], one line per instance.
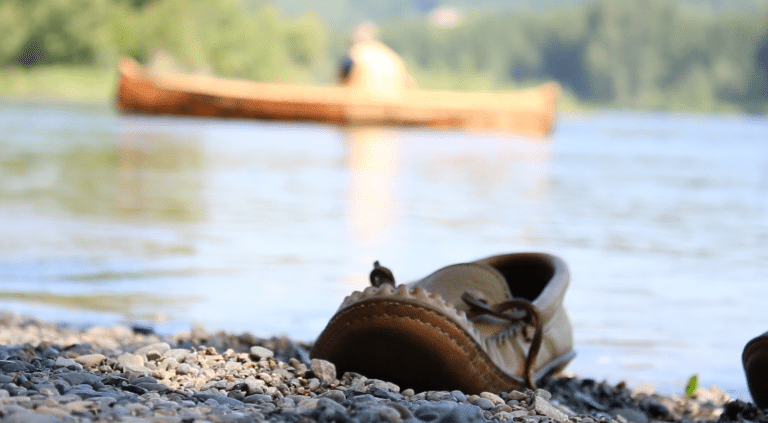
[529, 111]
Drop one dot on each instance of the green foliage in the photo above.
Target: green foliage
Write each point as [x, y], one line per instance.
[652, 54]
[225, 37]
[36, 32]
[692, 386]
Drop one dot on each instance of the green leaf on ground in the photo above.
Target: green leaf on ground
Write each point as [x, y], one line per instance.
[692, 386]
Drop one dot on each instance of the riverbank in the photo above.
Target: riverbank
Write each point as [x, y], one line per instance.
[79, 83]
[58, 373]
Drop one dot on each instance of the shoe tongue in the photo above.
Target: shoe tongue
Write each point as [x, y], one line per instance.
[452, 281]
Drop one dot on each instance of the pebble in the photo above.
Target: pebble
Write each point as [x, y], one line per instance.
[483, 403]
[544, 408]
[59, 374]
[90, 360]
[261, 353]
[495, 399]
[323, 370]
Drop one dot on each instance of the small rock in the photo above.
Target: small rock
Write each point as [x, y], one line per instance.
[68, 363]
[543, 407]
[152, 386]
[313, 384]
[459, 396]
[90, 360]
[183, 369]
[261, 353]
[132, 362]
[631, 415]
[323, 370]
[483, 403]
[154, 351]
[543, 393]
[438, 395]
[492, 397]
[220, 399]
[80, 378]
[335, 395]
[517, 396]
[309, 403]
[257, 398]
[178, 354]
[30, 417]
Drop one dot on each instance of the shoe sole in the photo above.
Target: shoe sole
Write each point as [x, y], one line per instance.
[415, 340]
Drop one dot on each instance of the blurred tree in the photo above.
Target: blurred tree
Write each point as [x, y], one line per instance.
[51, 31]
[15, 30]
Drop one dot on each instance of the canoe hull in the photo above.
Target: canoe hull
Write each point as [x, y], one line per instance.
[530, 111]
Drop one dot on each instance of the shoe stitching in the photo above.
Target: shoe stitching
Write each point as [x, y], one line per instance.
[488, 369]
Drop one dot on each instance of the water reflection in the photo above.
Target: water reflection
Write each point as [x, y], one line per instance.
[159, 176]
[148, 175]
[373, 163]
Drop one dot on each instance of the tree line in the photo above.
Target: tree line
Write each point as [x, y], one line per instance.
[657, 54]
[652, 54]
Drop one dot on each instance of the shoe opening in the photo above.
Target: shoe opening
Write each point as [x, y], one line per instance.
[535, 269]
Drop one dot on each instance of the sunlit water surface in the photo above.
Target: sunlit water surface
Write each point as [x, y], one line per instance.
[264, 227]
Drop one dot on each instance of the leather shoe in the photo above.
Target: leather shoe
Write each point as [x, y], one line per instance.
[495, 324]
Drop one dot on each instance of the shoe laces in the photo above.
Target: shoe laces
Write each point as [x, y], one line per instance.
[518, 312]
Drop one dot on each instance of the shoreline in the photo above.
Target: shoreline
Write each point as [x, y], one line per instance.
[98, 84]
[59, 373]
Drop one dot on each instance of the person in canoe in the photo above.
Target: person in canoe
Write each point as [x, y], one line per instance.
[371, 66]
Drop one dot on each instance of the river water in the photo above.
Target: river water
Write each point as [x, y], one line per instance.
[264, 227]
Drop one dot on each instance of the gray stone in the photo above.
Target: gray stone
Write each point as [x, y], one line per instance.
[483, 403]
[363, 398]
[518, 396]
[335, 395]
[313, 384]
[154, 351]
[492, 397]
[90, 360]
[463, 414]
[132, 362]
[384, 385]
[30, 417]
[183, 369]
[459, 396]
[83, 391]
[631, 415]
[68, 363]
[219, 399]
[375, 414]
[152, 386]
[178, 354]
[543, 393]
[330, 406]
[257, 398]
[543, 407]
[323, 370]
[261, 353]
[80, 378]
[309, 403]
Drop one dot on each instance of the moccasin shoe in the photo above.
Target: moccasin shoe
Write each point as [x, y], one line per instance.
[755, 361]
[494, 325]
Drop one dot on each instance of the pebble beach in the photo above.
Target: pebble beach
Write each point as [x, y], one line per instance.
[51, 373]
